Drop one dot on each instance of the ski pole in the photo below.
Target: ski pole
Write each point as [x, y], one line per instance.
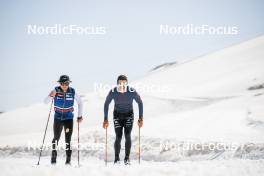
[106, 146]
[45, 132]
[78, 143]
[139, 145]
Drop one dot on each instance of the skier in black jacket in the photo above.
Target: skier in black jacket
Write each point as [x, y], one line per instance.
[123, 96]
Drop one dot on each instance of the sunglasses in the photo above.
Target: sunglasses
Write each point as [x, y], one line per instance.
[65, 84]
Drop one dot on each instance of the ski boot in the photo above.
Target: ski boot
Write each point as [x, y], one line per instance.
[68, 160]
[127, 161]
[53, 157]
[117, 160]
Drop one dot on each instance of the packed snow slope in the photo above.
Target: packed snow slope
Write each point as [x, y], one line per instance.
[217, 97]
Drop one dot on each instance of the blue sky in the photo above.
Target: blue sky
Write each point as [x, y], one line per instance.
[31, 64]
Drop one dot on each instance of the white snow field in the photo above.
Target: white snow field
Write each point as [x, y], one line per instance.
[213, 100]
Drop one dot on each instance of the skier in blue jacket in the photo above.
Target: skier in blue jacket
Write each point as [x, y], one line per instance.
[123, 96]
[64, 97]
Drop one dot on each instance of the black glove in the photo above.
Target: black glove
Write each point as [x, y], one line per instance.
[79, 119]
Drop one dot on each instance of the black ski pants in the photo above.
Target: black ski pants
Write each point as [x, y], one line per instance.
[58, 125]
[123, 122]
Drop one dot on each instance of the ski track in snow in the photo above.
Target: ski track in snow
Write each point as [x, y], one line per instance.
[92, 166]
[153, 149]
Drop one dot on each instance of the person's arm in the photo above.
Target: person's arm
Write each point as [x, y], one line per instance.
[108, 100]
[80, 104]
[140, 104]
[50, 97]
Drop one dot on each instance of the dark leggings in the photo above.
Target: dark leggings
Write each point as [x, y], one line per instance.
[58, 125]
[121, 122]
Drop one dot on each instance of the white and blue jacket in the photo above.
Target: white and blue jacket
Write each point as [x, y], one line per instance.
[64, 102]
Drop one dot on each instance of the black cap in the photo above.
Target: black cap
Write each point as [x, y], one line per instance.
[121, 77]
[64, 78]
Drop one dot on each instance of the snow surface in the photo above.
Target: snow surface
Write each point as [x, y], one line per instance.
[96, 168]
[216, 98]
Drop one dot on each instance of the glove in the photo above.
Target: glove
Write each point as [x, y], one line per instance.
[105, 124]
[53, 93]
[79, 119]
[140, 122]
